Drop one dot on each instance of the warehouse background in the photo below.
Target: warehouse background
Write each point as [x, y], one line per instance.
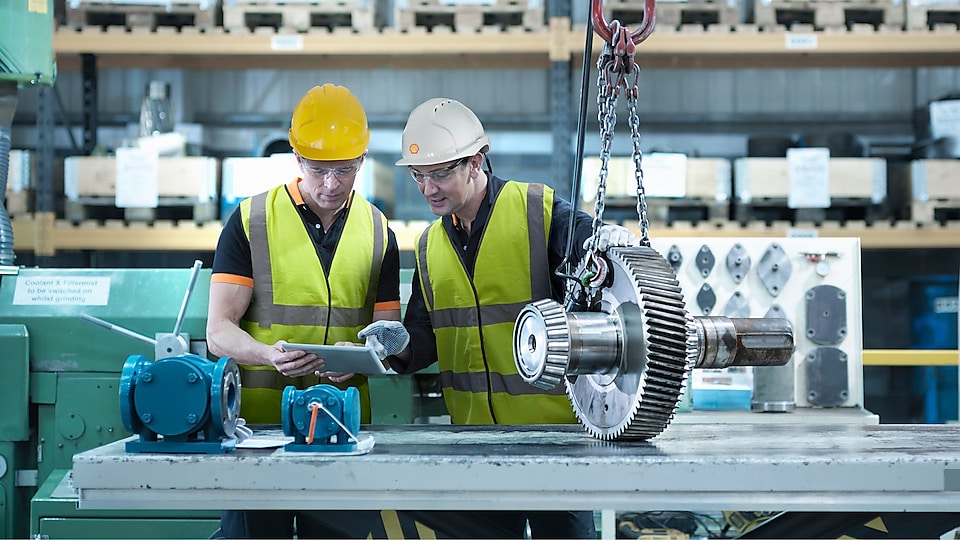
[719, 111]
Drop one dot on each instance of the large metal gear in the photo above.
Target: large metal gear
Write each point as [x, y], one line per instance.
[639, 398]
[626, 361]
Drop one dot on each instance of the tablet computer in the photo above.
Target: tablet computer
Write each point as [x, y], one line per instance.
[344, 358]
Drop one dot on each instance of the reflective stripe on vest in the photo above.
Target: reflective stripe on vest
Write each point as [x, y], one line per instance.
[473, 318]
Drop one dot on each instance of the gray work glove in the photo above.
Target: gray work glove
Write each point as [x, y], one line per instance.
[611, 236]
[386, 338]
[242, 432]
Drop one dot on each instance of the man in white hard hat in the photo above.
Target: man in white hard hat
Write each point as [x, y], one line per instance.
[494, 249]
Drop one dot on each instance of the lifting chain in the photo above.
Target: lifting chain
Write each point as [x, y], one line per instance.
[618, 73]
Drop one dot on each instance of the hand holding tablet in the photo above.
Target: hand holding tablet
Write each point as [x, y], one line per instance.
[345, 359]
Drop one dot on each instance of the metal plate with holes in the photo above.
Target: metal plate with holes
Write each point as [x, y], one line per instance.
[796, 272]
[675, 258]
[706, 299]
[737, 306]
[826, 309]
[705, 260]
[827, 377]
[774, 269]
[738, 263]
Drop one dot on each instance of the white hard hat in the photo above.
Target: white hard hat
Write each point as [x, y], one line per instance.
[440, 130]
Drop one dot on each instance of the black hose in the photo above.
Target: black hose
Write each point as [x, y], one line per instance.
[563, 269]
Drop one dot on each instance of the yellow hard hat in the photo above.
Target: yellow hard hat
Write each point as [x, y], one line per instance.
[440, 130]
[329, 124]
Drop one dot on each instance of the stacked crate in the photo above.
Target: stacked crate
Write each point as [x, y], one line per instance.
[20, 183]
[936, 190]
[142, 14]
[832, 14]
[106, 188]
[469, 16]
[298, 15]
[247, 176]
[931, 14]
[762, 191]
[676, 187]
[676, 13]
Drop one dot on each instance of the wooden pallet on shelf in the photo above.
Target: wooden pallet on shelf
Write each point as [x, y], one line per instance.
[675, 14]
[832, 14]
[841, 210]
[167, 209]
[935, 191]
[923, 15]
[298, 15]
[44, 234]
[763, 188]
[19, 203]
[140, 15]
[99, 187]
[468, 17]
[671, 210]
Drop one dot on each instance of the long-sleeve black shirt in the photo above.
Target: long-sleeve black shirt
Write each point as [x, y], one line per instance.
[417, 319]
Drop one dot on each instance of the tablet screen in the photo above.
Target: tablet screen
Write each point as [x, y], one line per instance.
[344, 358]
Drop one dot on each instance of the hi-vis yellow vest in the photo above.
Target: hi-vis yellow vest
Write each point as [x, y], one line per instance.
[473, 319]
[295, 300]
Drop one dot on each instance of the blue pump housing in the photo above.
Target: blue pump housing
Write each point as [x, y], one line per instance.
[181, 404]
[339, 413]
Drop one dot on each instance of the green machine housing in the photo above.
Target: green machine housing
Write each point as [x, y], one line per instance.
[61, 378]
[26, 42]
[61, 390]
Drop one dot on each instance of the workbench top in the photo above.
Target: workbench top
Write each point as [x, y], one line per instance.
[695, 467]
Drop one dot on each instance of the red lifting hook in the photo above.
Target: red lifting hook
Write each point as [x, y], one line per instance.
[602, 28]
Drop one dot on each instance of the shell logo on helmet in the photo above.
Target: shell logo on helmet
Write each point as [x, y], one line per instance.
[329, 124]
[444, 130]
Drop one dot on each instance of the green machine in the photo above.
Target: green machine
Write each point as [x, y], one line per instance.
[65, 335]
[61, 377]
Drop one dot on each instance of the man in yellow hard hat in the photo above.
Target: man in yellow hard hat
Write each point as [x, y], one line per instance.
[494, 249]
[305, 262]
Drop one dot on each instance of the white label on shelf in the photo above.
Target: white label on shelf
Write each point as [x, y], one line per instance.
[800, 41]
[809, 172]
[137, 178]
[286, 43]
[801, 232]
[469, 2]
[945, 118]
[54, 290]
[664, 174]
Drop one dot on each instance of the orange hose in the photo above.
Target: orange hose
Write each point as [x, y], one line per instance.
[313, 423]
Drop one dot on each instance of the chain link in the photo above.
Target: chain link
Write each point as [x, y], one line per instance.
[611, 80]
[638, 169]
[607, 97]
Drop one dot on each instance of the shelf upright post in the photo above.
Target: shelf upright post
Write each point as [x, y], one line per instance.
[45, 149]
[89, 69]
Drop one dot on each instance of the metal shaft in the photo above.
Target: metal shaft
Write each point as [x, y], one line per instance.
[726, 342]
[595, 339]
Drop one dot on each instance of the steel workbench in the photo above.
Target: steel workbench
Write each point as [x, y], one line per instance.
[697, 467]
